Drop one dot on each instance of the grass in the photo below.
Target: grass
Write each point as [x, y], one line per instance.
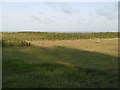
[59, 60]
[106, 46]
[56, 67]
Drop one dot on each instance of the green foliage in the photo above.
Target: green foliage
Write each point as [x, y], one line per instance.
[56, 36]
[20, 38]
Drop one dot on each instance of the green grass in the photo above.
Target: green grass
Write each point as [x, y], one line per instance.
[57, 67]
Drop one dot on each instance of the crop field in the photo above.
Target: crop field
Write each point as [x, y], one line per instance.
[60, 60]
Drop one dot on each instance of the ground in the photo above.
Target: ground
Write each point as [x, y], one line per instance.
[106, 46]
[85, 63]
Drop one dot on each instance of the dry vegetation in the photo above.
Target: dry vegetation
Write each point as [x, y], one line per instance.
[106, 46]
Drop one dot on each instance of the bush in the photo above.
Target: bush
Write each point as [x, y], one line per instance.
[15, 43]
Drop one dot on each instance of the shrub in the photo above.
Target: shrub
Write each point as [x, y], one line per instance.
[15, 43]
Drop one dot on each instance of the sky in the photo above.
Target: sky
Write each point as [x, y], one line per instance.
[59, 16]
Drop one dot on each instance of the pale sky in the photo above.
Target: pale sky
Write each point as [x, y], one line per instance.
[59, 16]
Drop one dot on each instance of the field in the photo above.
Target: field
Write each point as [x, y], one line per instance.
[50, 60]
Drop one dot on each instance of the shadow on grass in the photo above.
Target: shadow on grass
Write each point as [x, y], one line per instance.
[58, 67]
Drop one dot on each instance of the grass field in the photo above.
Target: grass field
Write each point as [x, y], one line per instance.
[80, 63]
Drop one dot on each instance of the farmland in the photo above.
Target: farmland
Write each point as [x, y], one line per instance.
[60, 60]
